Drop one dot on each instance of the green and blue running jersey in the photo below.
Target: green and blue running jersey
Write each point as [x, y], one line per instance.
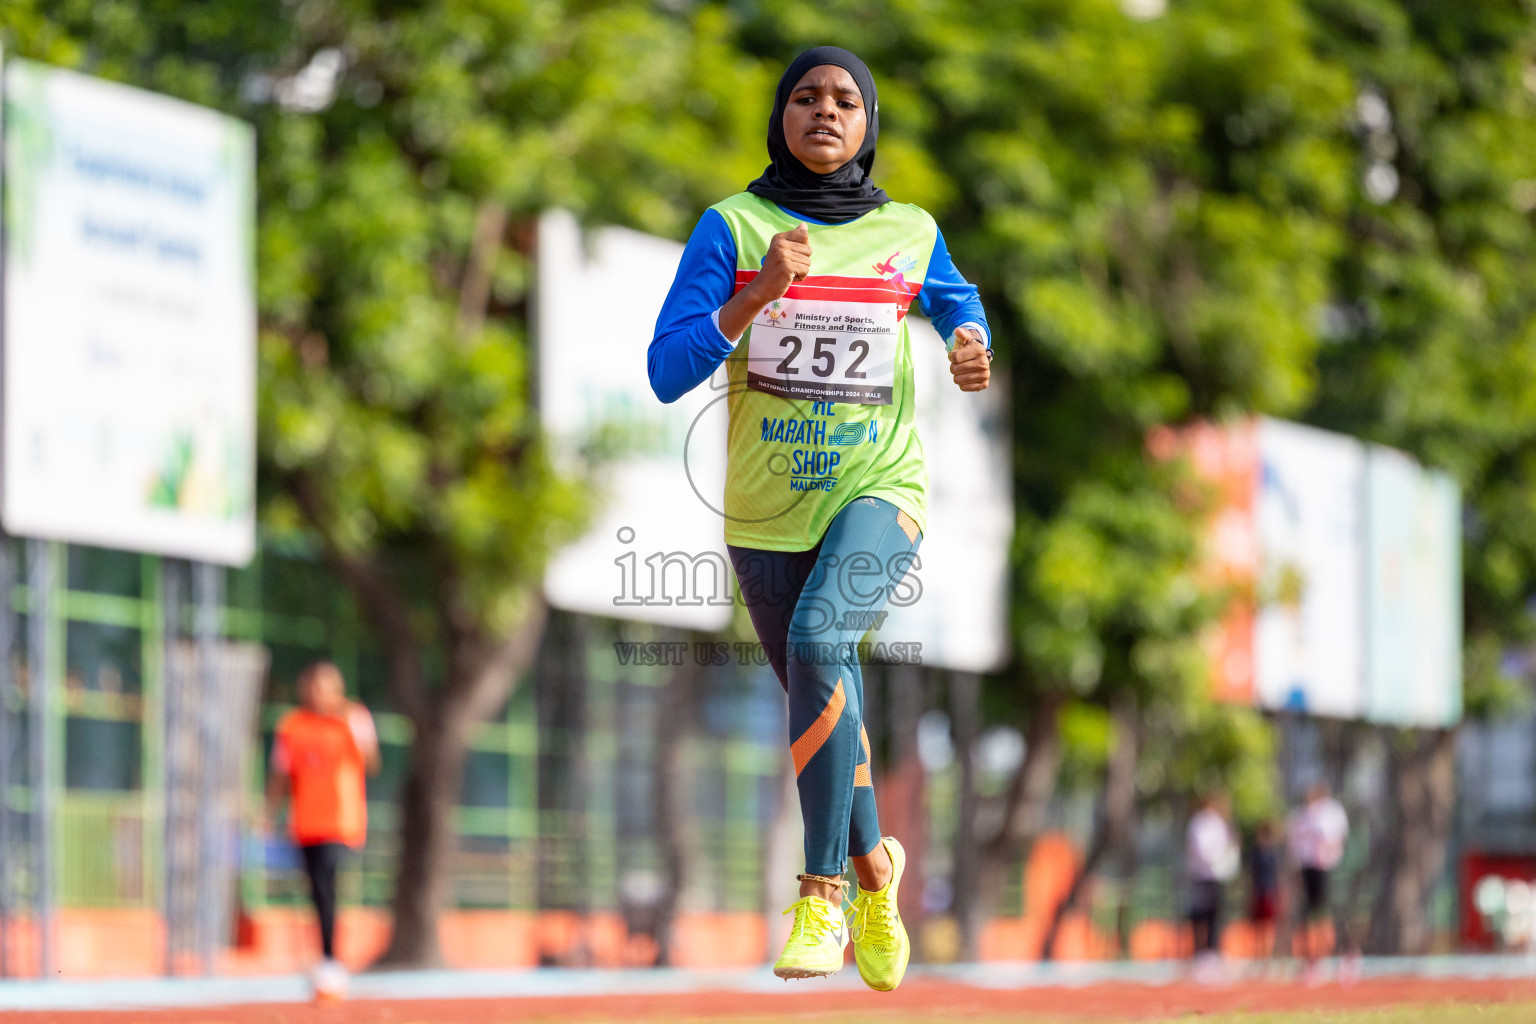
[821, 399]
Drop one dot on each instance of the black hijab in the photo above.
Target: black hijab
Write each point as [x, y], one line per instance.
[847, 193]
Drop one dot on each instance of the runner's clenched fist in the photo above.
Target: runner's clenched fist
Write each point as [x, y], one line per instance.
[968, 362]
[788, 260]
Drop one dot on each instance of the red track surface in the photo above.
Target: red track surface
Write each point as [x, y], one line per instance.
[918, 998]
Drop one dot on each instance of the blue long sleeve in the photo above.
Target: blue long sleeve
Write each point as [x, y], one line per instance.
[948, 299]
[687, 345]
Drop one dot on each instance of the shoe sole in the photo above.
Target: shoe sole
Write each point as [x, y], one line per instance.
[799, 973]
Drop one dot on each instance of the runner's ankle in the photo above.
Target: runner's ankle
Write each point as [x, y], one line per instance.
[874, 869]
[830, 891]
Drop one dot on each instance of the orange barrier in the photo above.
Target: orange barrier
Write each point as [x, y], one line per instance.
[1053, 865]
[131, 943]
[127, 943]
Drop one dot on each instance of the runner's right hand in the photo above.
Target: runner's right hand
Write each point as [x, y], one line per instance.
[788, 261]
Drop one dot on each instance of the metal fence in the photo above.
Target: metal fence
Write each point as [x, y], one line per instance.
[597, 787]
[560, 801]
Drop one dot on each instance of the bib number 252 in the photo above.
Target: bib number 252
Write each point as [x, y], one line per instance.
[827, 351]
[823, 357]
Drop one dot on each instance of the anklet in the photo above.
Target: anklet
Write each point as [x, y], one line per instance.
[839, 882]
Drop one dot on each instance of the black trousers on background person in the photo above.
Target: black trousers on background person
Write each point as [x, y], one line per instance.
[321, 861]
[1205, 915]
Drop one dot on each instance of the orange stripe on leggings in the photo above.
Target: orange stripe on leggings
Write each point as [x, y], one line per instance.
[864, 739]
[810, 741]
[861, 776]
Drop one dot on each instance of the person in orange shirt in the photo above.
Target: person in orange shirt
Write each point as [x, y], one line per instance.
[321, 753]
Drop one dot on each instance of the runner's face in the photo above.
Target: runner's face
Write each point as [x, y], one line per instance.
[323, 691]
[824, 120]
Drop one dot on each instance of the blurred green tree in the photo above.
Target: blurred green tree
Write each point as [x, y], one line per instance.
[404, 152]
[395, 253]
[1430, 346]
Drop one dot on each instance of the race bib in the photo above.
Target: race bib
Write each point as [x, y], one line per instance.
[830, 340]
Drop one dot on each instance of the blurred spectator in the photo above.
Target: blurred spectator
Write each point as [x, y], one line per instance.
[1212, 858]
[1318, 830]
[320, 754]
[1264, 878]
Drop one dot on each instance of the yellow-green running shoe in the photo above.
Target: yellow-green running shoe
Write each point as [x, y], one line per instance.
[816, 940]
[880, 944]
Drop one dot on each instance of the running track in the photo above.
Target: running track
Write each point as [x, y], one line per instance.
[966, 993]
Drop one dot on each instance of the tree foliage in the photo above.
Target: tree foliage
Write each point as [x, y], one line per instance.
[1312, 208]
[1431, 329]
[404, 151]
[396, 402]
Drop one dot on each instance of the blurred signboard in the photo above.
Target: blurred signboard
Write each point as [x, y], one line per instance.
[129, 319]
[658, 536]
[1309, 635]
[1413, 595]
[961, 619]
[655, 551]
[1228, 458]
[1345, 560]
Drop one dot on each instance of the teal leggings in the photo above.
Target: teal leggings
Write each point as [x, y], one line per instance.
[810, 609]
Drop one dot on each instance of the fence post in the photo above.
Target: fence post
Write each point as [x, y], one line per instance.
[171, 765]
[7, 746]
[207, 581]
[39, 671]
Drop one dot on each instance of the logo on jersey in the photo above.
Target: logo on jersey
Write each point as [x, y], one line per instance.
[892, 270]
[854, 433]
[895, 265]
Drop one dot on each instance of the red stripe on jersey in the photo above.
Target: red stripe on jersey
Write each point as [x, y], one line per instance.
[838, 288]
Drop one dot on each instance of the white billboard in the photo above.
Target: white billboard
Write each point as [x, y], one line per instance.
[129, 319]
[961, 619]
[1413, 593]
[597, 302]
[663, 481]
[1347, 561]
[1309, 636]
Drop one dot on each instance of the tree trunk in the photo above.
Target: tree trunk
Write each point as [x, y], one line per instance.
[1372, 813]
[1130, 865]
[783, 860]
[965, 711]
[481, 679]
[1422, 777]
[1116, 831]
[1023, 813]
[426, 838]
[482, 672]
[1289, 893]
[901, 793]
[672, 800]
[1096, 850]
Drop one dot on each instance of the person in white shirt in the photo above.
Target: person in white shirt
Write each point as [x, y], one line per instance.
[1212, 858]
[1318, 830]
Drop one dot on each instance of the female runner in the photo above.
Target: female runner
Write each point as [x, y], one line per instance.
[801, 285]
